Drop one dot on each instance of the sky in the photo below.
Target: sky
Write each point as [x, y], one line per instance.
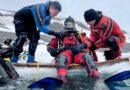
[119, 10]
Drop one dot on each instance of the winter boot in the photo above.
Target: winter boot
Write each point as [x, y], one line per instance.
[14, 59]
[62, 74]
[31, 59]
[95, 74]
[64, 78]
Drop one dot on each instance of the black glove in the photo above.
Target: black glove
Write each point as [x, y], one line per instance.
[93, 47]
[77, 48]
[56, 34]
[53, 51]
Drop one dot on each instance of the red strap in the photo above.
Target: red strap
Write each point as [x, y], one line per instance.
[106, 31]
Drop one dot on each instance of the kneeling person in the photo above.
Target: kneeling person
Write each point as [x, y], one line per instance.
[105, 32]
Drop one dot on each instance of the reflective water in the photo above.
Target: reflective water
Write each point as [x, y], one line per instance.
[77, 80]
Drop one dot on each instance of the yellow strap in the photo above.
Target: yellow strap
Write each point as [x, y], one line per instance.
[7, 59]
[80, 35]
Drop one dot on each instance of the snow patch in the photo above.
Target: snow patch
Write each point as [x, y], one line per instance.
[115, 68]
[127, 38]
[5, 12]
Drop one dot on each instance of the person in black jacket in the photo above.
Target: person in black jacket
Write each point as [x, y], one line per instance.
[29, 22]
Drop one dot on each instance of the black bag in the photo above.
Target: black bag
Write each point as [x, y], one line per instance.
[6, 52]
[4, 78]
[6, 48]
[108, 54]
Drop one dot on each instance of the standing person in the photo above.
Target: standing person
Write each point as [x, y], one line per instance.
[105, 32]
[71, 48]
[29, 22]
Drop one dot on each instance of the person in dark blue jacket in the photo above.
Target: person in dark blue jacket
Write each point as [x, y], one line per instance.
[29, 22]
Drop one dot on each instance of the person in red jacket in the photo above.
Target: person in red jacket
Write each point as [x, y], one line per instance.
[71, 48]
[105, 32]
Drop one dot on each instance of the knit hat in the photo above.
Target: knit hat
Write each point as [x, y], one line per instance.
[90, 15]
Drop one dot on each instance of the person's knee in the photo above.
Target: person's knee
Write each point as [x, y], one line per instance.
[89, 60]
[111, 40]
[33, 43]
[34, 37]
[20, 40]
[23, 36]
[87, 57]
[61, 61]
[112, 43]
[18, 45]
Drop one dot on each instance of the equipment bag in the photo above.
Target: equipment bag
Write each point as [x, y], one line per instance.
[8, 68]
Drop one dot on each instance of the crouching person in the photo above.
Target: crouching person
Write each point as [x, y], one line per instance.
[71, 48]
[105, 32]
[29, 22]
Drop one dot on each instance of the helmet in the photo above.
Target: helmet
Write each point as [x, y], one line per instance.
[69, 23]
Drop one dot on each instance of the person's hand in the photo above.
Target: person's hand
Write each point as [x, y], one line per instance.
[53, 51]
[77, 48]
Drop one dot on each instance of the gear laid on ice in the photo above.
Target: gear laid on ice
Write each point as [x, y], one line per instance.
[118, 77]
[6, 48]
[9, 42]
[7, 71]
[48, 83]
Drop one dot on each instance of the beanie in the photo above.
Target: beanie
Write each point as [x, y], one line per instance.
[90, 15]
